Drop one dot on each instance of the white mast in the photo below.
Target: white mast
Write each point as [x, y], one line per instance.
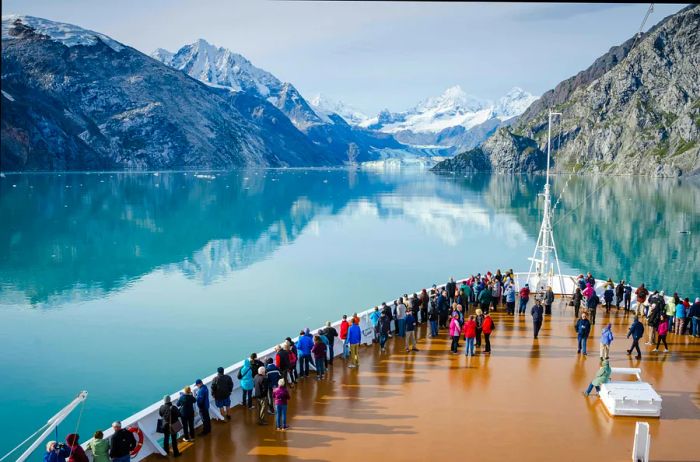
[541, 261]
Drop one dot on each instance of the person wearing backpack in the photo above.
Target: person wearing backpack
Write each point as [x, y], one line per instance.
[245, 376]
[171, 425]
[487, 327]
[221, 389]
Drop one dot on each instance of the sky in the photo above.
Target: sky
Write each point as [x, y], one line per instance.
[374, 55]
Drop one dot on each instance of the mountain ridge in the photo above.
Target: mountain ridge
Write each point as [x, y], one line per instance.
[634, 111]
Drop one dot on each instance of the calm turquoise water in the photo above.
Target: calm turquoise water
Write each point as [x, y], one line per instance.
[133, 285]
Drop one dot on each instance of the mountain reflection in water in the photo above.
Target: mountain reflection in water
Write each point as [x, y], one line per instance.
[78, 236]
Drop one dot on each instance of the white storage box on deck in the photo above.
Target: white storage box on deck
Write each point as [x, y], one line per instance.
[635, 398]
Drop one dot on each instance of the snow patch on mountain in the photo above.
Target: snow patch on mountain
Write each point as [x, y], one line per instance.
[325, 106]
[67, 34]
[454, 108]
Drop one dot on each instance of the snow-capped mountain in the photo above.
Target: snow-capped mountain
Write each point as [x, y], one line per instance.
[330, 126]
[220, 67]
[513, 104]
[325, 106]
[451, 109]
[454, 118]
[66, 34]
[74, 99]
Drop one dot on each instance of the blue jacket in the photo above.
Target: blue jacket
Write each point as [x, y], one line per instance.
[636, 330]
[304, 345]
[608, 295]
[583, 327]
[203, 397]
[354, 334]
[273, 375]
[680, 310]
[374, 317]
[57, 455]
[247, 373]
[510, 294]
[410, 323]
[606, 337]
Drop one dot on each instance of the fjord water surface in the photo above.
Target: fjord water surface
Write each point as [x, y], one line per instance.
[133, 285]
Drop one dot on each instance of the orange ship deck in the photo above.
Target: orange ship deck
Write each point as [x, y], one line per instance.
[523, 402]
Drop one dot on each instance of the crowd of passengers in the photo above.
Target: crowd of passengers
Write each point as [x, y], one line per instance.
[265, 385]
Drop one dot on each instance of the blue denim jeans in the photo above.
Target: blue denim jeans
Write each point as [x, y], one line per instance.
[320, 367]
[470, 347]
[523, 305]
[122, 459]
[696, 325]
[433, 328]
[346, 348]
[382, 340]
[590, 388]
[304, 362]
[582, 340]
[281, 415]
[402, 327]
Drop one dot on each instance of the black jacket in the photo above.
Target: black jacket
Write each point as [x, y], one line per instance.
[121, 443]
[537, 313]
[221, 386]
[330, 334]
[450, 287]
[170, 415]
[186, 404]
[593, 301]
[384, 325]
[260, 385]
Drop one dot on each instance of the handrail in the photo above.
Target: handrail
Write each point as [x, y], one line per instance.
[146, 419]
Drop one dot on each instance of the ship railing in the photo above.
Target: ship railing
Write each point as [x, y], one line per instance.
[144, 422]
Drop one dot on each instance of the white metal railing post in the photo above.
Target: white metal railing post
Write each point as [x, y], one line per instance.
[642, 442]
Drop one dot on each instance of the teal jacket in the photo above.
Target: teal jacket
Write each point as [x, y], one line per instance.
[603, 375]
[247, 373]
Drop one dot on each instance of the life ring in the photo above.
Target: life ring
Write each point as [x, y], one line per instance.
[139, 440]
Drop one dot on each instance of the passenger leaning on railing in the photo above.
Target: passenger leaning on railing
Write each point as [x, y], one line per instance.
[202, 396]
[245, 375]
[293, 360]
[221, 389]
[330, 333]
[186, 403]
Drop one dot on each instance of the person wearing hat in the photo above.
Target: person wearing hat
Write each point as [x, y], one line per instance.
[202, 396]
[171, 416]
[77, 454]
[186, 403]
[601, 377]
[221, 389]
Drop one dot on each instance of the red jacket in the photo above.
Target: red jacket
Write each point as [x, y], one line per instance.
[344, 329]
[524, 292]
[469, 329]
[487, 327]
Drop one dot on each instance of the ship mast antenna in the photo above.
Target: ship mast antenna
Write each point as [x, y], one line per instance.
[545, 256]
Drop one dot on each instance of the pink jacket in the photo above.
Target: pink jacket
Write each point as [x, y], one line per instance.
[663, 327]
[455, 328]
[588, 291]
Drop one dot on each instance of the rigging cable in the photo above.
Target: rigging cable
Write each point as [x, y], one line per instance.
[610, 177]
